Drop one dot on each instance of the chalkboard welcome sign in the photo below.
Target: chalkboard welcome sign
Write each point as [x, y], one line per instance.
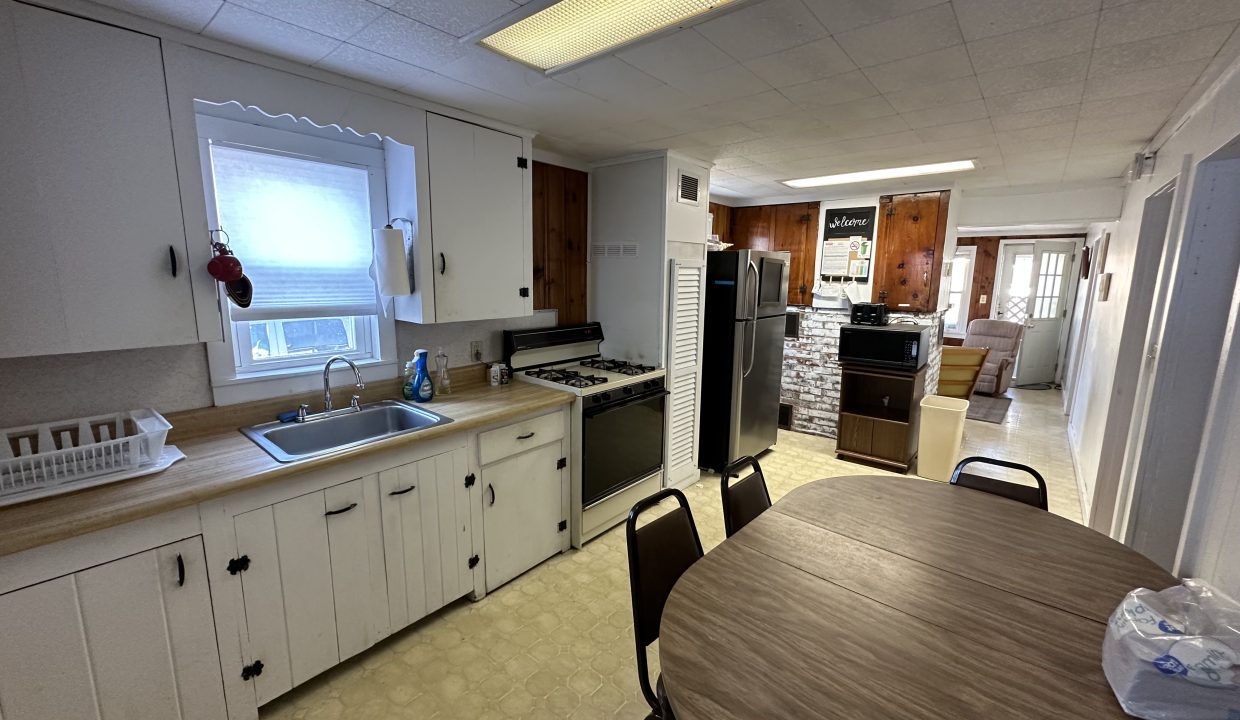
[847, 244]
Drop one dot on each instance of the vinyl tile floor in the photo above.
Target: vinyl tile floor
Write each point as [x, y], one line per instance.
[557, 642]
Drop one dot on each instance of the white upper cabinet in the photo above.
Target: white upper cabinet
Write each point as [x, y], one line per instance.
[481, 259]
[90, 211]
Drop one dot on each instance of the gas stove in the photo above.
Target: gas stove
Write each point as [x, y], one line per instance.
[617, 419]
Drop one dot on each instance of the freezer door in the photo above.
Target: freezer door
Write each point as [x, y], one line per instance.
[755, 416]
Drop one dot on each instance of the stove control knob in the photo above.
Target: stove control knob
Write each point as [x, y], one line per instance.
[628, 390]
[605, 397]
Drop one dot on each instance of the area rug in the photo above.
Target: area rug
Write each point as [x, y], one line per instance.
[988, 409]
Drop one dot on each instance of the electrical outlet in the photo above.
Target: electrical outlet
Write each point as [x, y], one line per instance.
[981, 300]
[475, 350]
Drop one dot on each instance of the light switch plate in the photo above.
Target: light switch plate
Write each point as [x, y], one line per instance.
[981, 300]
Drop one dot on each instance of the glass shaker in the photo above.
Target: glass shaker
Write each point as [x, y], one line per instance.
[443, 384]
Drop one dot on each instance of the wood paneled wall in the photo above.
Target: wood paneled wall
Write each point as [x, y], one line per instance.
[985, 265]
[560, 200]
[721, 221]
[792, 227]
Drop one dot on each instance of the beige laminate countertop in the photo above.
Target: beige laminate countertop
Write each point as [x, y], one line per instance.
[223, 462]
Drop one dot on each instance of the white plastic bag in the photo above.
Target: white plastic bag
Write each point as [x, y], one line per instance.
[1175, 654]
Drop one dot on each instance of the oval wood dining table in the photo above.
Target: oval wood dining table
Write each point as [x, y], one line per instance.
[891, 597]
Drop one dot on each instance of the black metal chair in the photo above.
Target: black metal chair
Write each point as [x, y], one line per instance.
[659, 553]
[1035, 496]
[745, 499]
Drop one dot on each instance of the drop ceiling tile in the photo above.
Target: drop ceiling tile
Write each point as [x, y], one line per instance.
[609, 78]
[1166, 78]
[1097, 167]
[732, 163]
[718, 136]
[844, 15]
[1035, 76]
[192, 15]
[969, 129]
[340, 19]
[987, 18]
[858, 111]
[847, 129]
[1045, 42]
[1034, 118]
[645, 131]
[452, 16]
[813, 60]
[1057, 96]
[678, 57]
[951, 92]
[410, 41]
[1141, 124]
[946, 115]
[1095, 144]
[927, 69]
[921, 32]
[788, 123]
[763, 28]
[1159, 51]
[726, 83]
[370, 66]
[755, 107]
[1031, 146]
[1018, 158]
[484, 69]
[1041, 132]
[1142, 20]
[844, 88]
[1152, 102]
[238, 25]
[1051, 171]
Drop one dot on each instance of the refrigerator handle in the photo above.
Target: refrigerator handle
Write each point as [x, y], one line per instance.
[751, 311]
[753, 345]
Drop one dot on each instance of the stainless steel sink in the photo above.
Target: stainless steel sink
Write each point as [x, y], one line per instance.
[291, 441]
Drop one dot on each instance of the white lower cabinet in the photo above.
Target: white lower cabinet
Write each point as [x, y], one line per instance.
[313, 587]
[129, 639]
[524, 495]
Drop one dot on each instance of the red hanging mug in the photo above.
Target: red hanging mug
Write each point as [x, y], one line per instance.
[225, 266]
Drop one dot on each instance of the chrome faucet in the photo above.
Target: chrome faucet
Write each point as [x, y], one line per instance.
[327, 389]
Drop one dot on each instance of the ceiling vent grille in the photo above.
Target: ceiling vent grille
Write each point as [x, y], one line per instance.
[687, 189]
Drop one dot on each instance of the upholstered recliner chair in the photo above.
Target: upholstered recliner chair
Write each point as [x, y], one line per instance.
[1003, 338]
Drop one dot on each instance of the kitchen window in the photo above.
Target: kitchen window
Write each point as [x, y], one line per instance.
[297, 209]
[956, 319]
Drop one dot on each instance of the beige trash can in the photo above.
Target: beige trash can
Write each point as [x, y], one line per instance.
[942, 429]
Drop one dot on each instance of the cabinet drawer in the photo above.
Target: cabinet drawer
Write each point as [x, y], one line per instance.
[502, 442]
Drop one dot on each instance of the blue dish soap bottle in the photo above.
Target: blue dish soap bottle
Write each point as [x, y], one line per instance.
[420, 388]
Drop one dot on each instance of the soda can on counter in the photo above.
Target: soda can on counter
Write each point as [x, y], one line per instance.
[495, 374]
[504, 374]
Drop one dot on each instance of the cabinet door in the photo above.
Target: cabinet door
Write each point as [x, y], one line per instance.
[751, 227]
[478, 219]
[314, 592]
[912, 231]
[89, 199]
[426, 535]
[522, 511]
[856, 434]
[132, 638]
[796, 231]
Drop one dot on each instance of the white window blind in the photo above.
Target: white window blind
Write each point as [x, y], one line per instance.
[302, 229]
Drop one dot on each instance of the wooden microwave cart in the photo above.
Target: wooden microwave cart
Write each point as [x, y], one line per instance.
[880, 413]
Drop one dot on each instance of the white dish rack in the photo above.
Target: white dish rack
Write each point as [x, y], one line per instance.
[38, 457]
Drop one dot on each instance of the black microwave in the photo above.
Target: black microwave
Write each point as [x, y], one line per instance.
[902, 346]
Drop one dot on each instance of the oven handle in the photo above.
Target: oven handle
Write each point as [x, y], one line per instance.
[599, 409]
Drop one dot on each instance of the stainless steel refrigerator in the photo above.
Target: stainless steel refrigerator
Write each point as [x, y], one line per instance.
[742, 353]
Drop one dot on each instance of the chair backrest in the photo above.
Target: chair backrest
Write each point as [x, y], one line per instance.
[745, 499]
[960, 369]
[1001, 336]
[659, 553]
[1035, 496]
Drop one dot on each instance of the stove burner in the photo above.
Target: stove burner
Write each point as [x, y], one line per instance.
[571, 378]
[622, 367]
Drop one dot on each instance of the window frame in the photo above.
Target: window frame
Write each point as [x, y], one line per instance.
[235, 379]
[966, 294]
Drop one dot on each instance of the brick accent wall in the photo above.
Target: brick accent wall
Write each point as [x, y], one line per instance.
[811, 377]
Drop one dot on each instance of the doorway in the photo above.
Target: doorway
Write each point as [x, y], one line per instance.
[1035, 287]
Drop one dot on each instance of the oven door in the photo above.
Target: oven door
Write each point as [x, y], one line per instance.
[621, 443]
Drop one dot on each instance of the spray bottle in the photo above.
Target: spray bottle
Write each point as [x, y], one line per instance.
[420, 388]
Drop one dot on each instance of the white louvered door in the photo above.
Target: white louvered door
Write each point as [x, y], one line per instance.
[684, 369]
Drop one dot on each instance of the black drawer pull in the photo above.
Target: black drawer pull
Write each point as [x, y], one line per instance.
[180, 571]
[443, 264]
[492, 489]
[402, 492]
[341, 510]
[526, 436]
[172, 259]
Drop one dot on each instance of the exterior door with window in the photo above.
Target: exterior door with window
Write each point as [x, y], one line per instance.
[1045, 308]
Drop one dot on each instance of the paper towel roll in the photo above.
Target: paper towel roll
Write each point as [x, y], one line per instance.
[389, 268]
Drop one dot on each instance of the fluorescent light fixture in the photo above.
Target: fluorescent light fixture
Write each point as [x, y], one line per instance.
[884, 174]
[572, 30]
